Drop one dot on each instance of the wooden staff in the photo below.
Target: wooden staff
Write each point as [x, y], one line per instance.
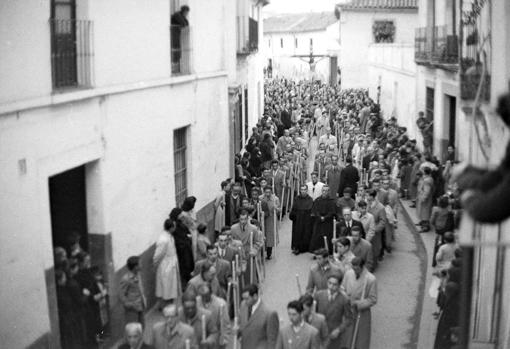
[358, 317]
[251, 257]
[298, 285]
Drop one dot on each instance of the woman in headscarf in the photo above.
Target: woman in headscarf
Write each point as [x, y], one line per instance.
[183, 246]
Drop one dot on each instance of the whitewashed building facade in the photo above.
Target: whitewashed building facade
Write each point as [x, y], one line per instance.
[105, 126]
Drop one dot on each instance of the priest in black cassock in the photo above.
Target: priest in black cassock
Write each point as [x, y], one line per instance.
[300, 216]
[323, 212]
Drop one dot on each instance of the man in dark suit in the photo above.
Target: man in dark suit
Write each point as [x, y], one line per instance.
[259, 326]
[134, 337]
[223, 268]
[335, 306]
[345, 224]
[225, 252]
[349, 177]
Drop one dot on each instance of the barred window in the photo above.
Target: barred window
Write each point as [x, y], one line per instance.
[180, 164]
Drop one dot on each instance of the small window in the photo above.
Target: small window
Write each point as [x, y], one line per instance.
[269, 42]
[281, 42]
[384, 31]
[296, 42]
[311, 43]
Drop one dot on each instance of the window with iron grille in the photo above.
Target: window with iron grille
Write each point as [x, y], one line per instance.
[71, 46]
[180, 165]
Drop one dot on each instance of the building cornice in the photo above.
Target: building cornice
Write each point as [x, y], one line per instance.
[84, 94]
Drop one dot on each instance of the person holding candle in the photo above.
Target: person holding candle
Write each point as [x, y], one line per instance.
[271, 208]
[315, 319]
[298, 334]
[258, 325]
[241, 231]
[320, 272]
[172, 332]
[335, 306]
[223, 268]
[219, 313]
[206, 332]
[361, 288]
[207, 275]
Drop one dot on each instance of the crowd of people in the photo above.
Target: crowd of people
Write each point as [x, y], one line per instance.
[325, 158]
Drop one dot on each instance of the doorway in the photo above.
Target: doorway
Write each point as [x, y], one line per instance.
[68, 207]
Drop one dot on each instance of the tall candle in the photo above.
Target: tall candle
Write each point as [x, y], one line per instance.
[204, 333]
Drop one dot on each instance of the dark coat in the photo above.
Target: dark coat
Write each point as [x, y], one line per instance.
[343, 230]
[348, 178]
[300, 216]
[184, 252]
[260, 330]
[338, 314]
[326, 208]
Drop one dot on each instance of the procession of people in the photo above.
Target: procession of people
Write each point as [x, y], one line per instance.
[325, 158]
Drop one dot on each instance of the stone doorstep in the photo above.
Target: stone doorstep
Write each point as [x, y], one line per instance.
[428, 325]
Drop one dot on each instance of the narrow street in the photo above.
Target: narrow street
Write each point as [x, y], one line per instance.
[395, 318]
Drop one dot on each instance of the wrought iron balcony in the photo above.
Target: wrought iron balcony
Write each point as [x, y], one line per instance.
[434, 46]
[180, 49]
[72, 53]
[247, 35]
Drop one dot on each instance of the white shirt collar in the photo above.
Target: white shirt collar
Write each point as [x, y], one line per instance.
[255, 306]
[298, 327]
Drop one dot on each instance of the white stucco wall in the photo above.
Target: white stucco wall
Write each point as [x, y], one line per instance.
[356, 36]
[393, 66]
[123, 127]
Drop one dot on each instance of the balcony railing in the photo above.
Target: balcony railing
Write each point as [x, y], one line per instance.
[247, 35]
[472, 65]
[71, 53]
[422, 43]
[180, 49]
[433, 45]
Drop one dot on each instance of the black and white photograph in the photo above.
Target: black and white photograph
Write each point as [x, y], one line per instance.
[254, 174]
